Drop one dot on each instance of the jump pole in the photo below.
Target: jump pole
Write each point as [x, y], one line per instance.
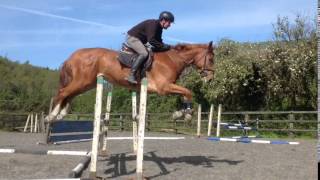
[134, 122]
[96, 128]
[218, 121]
[210, 120]
[199, 121]
[142, 116]
[44, 152]
[76, 172]
[247, 140]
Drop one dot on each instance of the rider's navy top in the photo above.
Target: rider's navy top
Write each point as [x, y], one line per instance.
[149, 31]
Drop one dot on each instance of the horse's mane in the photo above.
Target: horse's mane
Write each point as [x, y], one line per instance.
[187, 46]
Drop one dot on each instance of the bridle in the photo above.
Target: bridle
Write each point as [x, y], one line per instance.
[204, 70]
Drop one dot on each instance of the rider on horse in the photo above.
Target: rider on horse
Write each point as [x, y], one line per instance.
[148, 31]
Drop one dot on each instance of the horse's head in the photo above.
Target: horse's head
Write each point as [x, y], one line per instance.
[202, 56]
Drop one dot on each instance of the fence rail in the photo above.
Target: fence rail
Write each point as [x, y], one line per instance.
[290, 121]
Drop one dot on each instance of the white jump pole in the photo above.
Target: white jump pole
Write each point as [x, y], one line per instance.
[142, 116]
[210, 120]
[106, 123]
[96, 130]
[27, 123]
[134, 122]
[199, 121]
[218, 121]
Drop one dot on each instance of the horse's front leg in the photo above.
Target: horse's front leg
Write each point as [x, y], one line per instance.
[187, 96]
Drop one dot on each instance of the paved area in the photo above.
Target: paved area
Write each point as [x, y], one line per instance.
[191, 158]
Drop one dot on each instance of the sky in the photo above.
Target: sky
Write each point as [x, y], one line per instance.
[47, 32]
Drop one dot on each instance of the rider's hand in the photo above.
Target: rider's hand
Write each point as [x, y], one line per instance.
[166, 46]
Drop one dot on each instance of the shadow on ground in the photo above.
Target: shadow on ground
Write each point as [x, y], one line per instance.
[119, 166]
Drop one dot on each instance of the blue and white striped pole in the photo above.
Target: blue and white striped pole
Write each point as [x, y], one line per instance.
[247, 140]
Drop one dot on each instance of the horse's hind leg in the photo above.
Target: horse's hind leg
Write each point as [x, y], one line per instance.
[65, 95]
[59, 104]
[64, 111]
[62, 101]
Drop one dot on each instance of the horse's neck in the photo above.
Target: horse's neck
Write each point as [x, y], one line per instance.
[181, 59]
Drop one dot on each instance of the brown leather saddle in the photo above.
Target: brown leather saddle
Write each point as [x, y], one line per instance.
[127, 56]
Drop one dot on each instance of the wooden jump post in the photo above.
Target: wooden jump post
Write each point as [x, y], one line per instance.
[97, 126]
[218, 121]
[106, 123]
[134, 122]
[199, 121]
[34, 123]
[210, 120]
[142, 118]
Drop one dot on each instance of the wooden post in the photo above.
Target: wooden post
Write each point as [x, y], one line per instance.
[142, 116]
[51, 105]
[31, 123]
[96, 128]
[148, 123]
[210, 120]
[175, 126]
[42, 126]
[121, 123]
[36, 125]
[199, 121]
[291, 118]
[246, 120]
[106, 124]
[134, 122]
[27, 123]
[218, 121]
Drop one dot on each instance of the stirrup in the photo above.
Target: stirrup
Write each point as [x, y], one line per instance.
[131, 80]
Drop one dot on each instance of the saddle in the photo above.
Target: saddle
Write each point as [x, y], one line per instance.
[127, 56]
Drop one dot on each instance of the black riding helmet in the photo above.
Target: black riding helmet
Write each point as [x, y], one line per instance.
[166, 15]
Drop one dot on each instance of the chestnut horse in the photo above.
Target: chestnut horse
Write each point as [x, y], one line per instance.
[79, 73]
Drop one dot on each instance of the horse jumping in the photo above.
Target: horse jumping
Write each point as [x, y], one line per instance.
[79, 73]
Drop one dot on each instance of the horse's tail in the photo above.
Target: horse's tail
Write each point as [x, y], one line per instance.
[65, 75]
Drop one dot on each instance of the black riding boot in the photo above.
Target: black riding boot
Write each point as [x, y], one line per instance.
[135, 67]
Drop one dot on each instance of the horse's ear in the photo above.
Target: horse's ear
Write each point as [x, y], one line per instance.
[210, 46]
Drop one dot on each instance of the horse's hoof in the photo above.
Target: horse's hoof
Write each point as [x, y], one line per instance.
[177, 115]
[49, 118]
[187, 117]
[59, 117]
[188, 111]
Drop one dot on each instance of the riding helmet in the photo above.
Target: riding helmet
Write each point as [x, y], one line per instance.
[166, 15]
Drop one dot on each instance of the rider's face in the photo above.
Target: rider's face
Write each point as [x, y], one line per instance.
[165, 24]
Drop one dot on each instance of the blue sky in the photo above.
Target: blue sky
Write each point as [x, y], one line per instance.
[46, 32]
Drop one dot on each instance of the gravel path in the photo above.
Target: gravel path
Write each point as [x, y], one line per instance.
[192, 158]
